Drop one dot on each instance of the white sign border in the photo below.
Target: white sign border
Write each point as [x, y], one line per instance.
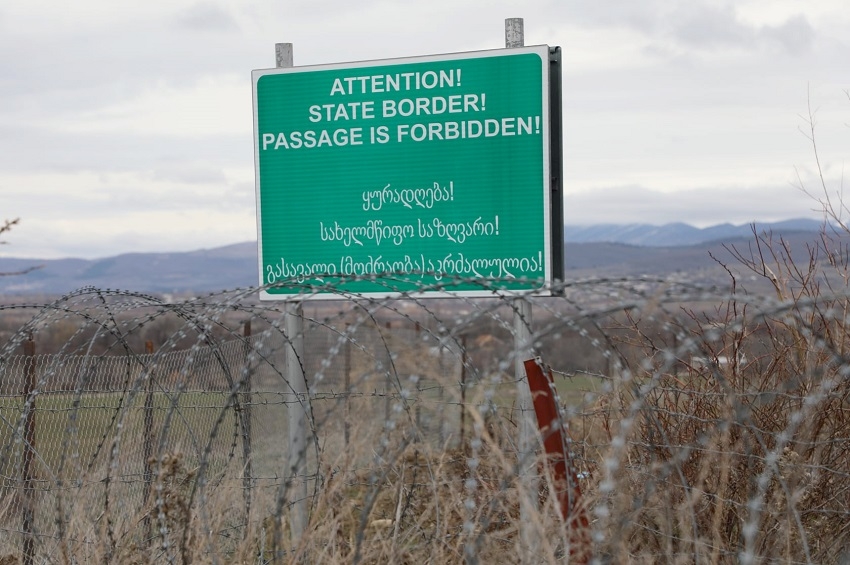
[543, 290]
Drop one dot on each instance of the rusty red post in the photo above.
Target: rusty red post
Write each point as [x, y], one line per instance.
[555, 442]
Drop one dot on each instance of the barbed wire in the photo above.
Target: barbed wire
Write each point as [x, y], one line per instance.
[707, 423]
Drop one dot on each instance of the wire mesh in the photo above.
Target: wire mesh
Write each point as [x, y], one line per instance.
[707, 425]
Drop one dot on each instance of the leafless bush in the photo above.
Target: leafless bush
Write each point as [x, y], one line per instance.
[700, 434]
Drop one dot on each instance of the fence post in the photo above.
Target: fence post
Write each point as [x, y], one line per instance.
[441, 387]
[247, 470]
[463, 361]
[28, 514]
[347, 376]
[148, 436]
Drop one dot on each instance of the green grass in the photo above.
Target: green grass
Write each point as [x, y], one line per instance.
[81, 430]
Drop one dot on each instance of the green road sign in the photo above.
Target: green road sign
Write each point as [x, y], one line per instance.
[405, 173]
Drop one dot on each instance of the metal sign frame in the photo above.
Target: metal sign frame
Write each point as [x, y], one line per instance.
[306, 191]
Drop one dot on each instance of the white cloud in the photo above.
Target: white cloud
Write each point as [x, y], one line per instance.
[705, 26]
[41, 17]
[88, 214]
[139, 231]
[795, 35]
[127, 126]
[207, 16]
[701, 207]
[218, 105]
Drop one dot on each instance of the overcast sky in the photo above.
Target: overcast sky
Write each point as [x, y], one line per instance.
[127, 126]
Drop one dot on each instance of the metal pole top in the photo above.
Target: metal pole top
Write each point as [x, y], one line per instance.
[514, 33]
[283, 55]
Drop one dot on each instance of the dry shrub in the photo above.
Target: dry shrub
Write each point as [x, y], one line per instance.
[720, 436]
[418, 504]
[736, 446]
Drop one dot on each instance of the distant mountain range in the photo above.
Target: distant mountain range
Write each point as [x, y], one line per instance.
[206, 270]
[678, 234]
[600, 250]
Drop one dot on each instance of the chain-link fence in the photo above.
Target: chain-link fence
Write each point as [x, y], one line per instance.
[705, 425]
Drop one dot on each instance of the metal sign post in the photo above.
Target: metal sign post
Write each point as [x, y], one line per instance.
[514, 39]
[434, 176]
[298, 410]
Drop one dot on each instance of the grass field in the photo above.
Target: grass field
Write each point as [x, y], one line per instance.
[712, 462]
